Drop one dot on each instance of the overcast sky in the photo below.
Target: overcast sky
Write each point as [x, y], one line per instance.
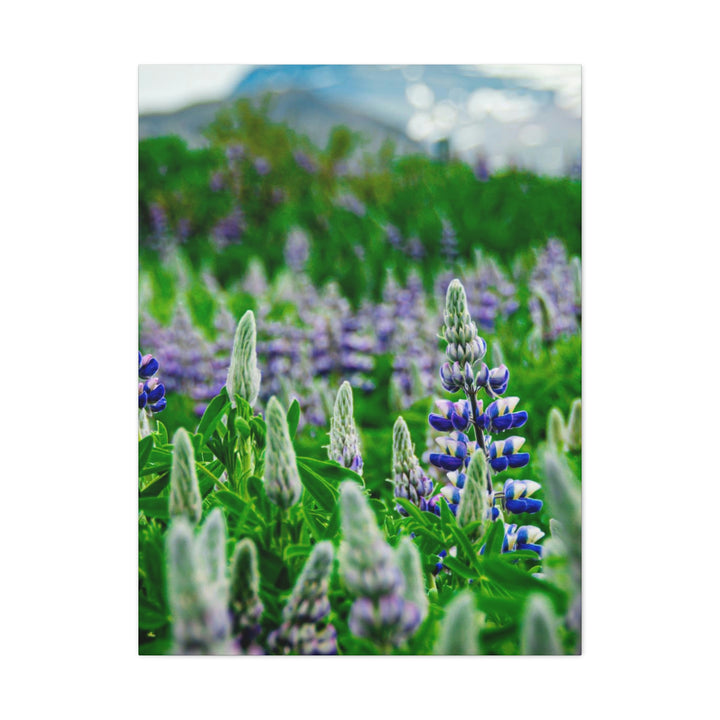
[165, 88]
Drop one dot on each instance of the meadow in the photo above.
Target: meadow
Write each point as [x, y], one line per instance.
[359, 400]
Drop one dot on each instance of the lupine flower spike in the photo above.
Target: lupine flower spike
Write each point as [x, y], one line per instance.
[185, 497]
[282, 480]
[246, 606]
[305, 629]
[465, 371]
[151, 392]
[243, 376]
[344, 445]
[409, 479]
[197, 591]
[539, 633]
[371, 572]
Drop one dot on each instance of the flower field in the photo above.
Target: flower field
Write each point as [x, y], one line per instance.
[359, 400]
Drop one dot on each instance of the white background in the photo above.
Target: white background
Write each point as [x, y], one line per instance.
[69, 282]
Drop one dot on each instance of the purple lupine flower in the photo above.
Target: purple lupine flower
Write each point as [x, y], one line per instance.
[448, 243]
[305, 161]
[262, 166]
[555, 306]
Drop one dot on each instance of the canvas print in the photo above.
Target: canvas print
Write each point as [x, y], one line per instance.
[359, 367]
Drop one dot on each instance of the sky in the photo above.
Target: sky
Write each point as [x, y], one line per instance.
[166, 88]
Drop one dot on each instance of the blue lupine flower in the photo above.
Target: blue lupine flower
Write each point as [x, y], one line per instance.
[500, 415]
[147, 366]
[504, 454]
[452, 416]
[517, 496]
[151, 393]
[522, 538]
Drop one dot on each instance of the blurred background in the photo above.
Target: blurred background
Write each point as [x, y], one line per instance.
[337, 202]
[525, 116]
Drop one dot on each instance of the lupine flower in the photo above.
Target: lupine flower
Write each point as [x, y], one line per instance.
[371, 572]
[517, 496]
[185, 497]
[151, 393]
[465, 350]
[282, 480]
[246, 606]
[459, 629]
[197, 592]
[305, 629]
[539, 633]
[555, 305]
[243, 376]
[409, 480]
[344, 445]
[297, 250]
[504, 454]
[448, 242]
[522, 538]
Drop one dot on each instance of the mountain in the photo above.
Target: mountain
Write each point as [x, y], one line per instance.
[523, 115]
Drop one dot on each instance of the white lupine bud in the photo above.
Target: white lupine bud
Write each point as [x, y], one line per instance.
[408, 559]
[282, 479]
[197, 592]
[539, 629]
[459, 629]
[243, 376]
[247, 608]
[344, 445]
[556, 431]
[185, 497]
[475, 503]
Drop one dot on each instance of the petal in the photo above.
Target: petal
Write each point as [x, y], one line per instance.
[438, 422]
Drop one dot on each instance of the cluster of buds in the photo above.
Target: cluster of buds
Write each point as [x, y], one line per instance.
[344, 445]
[305, 629]
[282, 479]
[386, 607]
[151, 392]
[408, 478]
[246, 606]
[198, 587]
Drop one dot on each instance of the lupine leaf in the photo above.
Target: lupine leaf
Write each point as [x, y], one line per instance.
[324, 493]
[458, 567]
[145, 447]
[213, 414]
[331, 469]
[293, 417]
[156, 507]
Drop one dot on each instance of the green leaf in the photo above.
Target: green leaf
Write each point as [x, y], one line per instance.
[162, 434]
[232, 501]
[331, 470]
[461, 569]
[156, 507]
[494, 539]
[463, 542]
[144, 449]
[213, 414]
[293, 417]
[243, 427]
[294, 551]
[322, 491]
[412, 510]
[151, 617]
